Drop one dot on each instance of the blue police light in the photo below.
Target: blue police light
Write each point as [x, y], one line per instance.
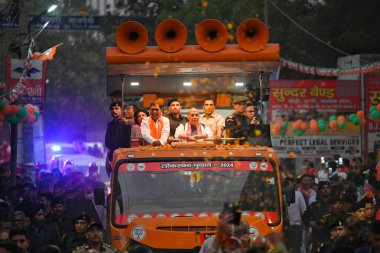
[56, 148]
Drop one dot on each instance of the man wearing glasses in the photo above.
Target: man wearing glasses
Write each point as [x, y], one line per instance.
[238, 123]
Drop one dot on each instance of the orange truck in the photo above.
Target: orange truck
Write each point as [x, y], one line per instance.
[169, 198]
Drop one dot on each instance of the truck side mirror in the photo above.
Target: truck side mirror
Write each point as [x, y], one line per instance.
[99, 196]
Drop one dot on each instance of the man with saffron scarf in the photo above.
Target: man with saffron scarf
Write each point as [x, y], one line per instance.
[193, 130]
[155, 129]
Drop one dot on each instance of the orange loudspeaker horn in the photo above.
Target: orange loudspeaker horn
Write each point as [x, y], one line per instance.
[211, 35]
[171, 35]
[252, 35]
[131, 37]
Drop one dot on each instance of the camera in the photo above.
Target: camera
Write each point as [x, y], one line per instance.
[234, 209]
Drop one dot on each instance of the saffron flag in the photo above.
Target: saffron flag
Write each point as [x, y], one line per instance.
[47, 55]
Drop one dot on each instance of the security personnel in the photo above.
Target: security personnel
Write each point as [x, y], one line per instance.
[238, 123]
[95, 240]
[336, 231]
[337, 214]
[77, 237]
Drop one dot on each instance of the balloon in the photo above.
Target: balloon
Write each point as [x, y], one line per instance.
[362, 122]
[37, 113]
[332, 118]
[378, 107]
[360, 114]
[7, 110]
[304, 126]
[333, 124]
[356, 121]
[373, 108]
[352, 117]
[297, 124]
[321, 125]
[314, 126]
[342, 125]
[12, 119]
[283, 132]
[275, 131]
[3, 103]
[14, 109]
[341, 119]
[284, 125]
[375, 115]
[299, 132]
[21, 112]
[32, 119]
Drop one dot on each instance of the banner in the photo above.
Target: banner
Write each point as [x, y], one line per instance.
[317, 145]
[372, 86]
[341, 95]
[34, 81]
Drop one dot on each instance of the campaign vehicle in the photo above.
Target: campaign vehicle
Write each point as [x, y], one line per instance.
[169, 198]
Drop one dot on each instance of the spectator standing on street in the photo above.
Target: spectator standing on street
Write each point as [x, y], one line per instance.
[39, 233]
[211, 119]
[81, 204]
[296, 228]
[59, 219]
[95, 240]
[19, 220]
[19, 237]
[76, 238]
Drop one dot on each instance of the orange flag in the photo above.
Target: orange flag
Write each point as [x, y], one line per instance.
[47, 55]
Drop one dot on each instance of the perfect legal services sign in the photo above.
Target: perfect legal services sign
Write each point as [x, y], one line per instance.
[291, 100]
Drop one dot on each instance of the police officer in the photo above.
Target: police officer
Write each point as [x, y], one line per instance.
[77, 237]
[237, 124]
[95, 240]
[336, 231]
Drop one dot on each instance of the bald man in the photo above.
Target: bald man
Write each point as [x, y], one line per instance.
[193, 130]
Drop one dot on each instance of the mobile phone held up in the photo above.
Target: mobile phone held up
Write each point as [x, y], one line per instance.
[234, 209]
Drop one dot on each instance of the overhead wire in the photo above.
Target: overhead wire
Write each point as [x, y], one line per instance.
[307, 31]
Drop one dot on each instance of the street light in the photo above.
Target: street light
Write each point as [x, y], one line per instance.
[52, 8]
[49, 10]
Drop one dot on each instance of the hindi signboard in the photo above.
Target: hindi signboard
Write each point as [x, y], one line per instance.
[34, 80]
[291, 100]
[372, 86]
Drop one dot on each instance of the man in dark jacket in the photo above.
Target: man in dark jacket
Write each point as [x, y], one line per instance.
[353, 235]
[40, 234]
[174, 116]
[118, 133]
[77, 237]
[374, 239]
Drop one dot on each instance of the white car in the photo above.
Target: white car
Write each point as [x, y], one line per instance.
[78, 157]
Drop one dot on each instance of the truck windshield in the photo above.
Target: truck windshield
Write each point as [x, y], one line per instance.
[149, 189]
